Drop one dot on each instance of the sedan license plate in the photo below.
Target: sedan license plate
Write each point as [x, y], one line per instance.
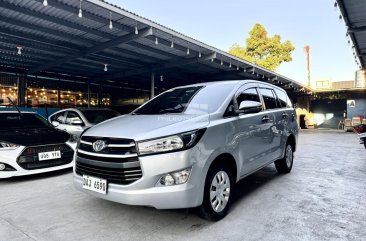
[95, 184]
[43, 156]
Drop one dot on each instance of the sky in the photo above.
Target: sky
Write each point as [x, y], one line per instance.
[222, 23]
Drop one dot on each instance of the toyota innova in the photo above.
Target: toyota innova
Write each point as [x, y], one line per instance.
[188, 146]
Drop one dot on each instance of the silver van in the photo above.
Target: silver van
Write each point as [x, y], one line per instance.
[188, 146]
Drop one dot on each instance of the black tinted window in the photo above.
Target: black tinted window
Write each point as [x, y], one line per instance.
[9, 121]
[59, 117]
[173, 101]
[268, 98]
[97, 116]
[72, 117]
[282, 98]
[248, 94]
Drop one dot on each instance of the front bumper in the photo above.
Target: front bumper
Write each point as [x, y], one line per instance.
[145, 192]
[10, 158]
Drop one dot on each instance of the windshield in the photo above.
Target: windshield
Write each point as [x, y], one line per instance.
[188, 100]
[10, 121]
[97, 116]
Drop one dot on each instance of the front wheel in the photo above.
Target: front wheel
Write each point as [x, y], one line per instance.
[285, 164]
[217, 193]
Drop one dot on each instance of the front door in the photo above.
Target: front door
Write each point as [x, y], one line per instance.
[251, 131]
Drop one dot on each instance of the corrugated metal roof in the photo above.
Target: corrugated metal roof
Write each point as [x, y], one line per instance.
[55, 40]
[354, 15]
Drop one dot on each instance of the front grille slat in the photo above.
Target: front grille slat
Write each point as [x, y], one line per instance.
[28, 159]
[118, 163]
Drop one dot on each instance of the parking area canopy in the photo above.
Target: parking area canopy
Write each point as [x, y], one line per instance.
[354, 14]
[95, 41]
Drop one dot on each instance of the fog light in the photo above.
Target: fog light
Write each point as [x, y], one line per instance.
[2, 167]
[167, 180]
[175, 178]
[181, 176]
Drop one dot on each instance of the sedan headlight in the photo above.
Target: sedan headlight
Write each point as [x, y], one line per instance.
[73, 138]
[6, 146]
[170, 143]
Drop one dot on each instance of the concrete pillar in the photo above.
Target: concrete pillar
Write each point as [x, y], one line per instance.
[152, 86]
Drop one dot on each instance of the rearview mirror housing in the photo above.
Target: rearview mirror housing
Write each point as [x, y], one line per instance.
[248, 106]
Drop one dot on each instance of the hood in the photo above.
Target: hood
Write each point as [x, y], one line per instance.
[34, 137]
[142, 127]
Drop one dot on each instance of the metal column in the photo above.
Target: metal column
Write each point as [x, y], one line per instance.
[152, 87]
[21, 90]
[89, 97]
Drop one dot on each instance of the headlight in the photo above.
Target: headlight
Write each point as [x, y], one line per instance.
[73, 138]
[6, 146]
[171, 143]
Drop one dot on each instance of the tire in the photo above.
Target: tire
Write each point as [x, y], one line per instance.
[216, 204]
[284, 165]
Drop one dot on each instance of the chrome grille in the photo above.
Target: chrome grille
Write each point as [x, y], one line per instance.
[118, 163]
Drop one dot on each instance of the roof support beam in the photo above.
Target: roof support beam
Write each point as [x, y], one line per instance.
[157, 68]
[87, 15]
[57, 33]
[56, 20]
[97, 48]
[356, 29]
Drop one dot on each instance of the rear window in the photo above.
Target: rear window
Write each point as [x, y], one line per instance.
[282, 98]
[269, 98]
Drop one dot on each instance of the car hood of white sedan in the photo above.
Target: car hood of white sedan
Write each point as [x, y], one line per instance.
[143, 127]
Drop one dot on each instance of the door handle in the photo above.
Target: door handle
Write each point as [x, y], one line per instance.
[284, 115]
[265, 118]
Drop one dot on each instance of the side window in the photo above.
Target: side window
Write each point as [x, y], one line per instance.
[282, 98]
[268, 98]
[73, 118]
[248, 94]
[59, 117]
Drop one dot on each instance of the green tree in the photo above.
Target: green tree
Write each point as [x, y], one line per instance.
[265, 51]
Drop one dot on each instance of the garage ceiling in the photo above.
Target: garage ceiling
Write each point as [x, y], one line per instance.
[354, 15]
[54, 41]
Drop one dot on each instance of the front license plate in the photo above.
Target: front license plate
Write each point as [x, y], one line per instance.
[95, 184]
[42, 156]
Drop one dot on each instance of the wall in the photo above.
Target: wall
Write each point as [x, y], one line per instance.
[359, 109]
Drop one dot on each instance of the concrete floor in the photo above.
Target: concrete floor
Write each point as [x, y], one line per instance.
[323, 198]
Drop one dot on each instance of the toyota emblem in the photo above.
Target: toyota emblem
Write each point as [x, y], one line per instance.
[99, 145]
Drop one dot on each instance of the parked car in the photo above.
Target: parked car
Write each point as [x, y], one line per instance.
[76, 120]
[188, 146]
[30, 145]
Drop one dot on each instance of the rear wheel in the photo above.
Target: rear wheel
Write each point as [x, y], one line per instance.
[284, 165]
[217, 193]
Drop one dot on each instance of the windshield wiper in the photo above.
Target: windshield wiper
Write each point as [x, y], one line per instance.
[20, 113]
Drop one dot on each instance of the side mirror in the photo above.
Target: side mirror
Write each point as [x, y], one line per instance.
[55, 123]
[248, 106]
[77, 123]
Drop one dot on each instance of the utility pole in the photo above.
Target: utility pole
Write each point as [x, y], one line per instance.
[307, 52]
